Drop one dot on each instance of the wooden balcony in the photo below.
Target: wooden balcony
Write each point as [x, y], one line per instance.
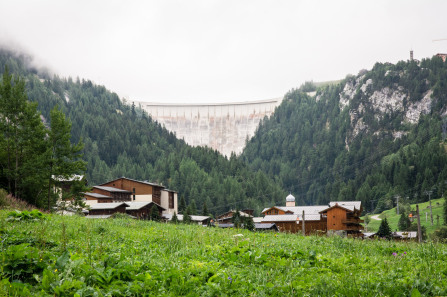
[354, 228]
[352, 221]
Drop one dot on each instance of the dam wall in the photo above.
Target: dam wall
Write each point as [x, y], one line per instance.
[221, 126]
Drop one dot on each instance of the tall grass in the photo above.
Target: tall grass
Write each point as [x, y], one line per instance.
[128, 257]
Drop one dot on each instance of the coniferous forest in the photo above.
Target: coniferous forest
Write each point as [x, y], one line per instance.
[121, 140]
[311, 146]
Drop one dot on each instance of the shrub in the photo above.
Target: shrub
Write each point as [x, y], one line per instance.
[9, 202]
[441, 234]
[25, 215]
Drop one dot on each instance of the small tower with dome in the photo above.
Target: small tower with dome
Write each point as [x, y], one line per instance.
[290, 200]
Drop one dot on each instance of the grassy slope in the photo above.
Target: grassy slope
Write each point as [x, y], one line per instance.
[393, 218]
[127, 257]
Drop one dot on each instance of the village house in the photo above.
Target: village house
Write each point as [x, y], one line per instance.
[105, 210]
[200, 220]
[340, 216]
[62, 185]
[227, 218]
[344, 216]
[143, 210]
[129, 190]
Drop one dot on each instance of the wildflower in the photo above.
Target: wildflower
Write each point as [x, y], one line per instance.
[404, 253]
[394, 254]
[230, 279]
[55, 270]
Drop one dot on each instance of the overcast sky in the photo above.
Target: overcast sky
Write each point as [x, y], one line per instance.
[218, 51]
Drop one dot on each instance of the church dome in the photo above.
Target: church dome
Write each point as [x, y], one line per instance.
[290, 198]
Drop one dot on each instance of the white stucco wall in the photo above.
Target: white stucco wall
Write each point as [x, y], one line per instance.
[165, 202]
[142, 198]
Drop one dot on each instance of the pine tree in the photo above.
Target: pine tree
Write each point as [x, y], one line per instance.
[404, 222]
[384, 229]
[182, 205]
[205, 210]
[63, 158]
[236, 219]
[187, 216]
[22, 140]
[249, 224]
[193, 207]
[155, 216]
[174, 218]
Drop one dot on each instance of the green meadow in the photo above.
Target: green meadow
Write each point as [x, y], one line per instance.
[424, 211]
[76, 256]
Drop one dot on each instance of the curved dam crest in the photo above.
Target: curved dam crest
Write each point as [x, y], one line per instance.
[221, 126]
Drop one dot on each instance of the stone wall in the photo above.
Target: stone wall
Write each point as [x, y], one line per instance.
[223, 127]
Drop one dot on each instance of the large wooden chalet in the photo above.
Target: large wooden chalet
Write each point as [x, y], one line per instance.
[337, 217]
[129, 190]
[344, 216]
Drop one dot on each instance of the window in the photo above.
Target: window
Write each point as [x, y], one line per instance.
[171, 200]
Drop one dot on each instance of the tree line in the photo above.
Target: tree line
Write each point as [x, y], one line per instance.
[309, 146]
[33, 156]
[120, 139]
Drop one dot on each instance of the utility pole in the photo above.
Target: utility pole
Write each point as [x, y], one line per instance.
[303, 226]
[397, 203]
[419, 224]
[429, 198]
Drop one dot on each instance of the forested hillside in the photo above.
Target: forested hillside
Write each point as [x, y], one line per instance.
[371, 137]
[121, 140]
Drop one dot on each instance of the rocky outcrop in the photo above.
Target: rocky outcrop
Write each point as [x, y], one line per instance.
[387, 101]
[418, 108]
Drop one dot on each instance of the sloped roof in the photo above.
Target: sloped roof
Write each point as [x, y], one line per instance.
[111, 189]
[140, 204]
[225, 225]
[61, 178]
[138, 181]
[280, 218]
[347, 204]
[107, 205]
[265, 226]
[180, 217]
[298, 210]
[349, 208]
[257, 219]
[310, 217]
[96, 195]
[98, 216]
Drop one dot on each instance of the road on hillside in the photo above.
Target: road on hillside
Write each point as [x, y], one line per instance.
[376, 217]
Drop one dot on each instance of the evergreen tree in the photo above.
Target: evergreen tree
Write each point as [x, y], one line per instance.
[193, 207]
[404, 222]
[205, 210]
[384, 229]
[63, 158]
[22, 142]
[187, 216]
[155, 215]
[249, 224]
[236, 219]
[174, 218]
[182, 205]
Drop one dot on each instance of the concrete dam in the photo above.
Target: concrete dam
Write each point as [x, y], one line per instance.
[222, 126]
